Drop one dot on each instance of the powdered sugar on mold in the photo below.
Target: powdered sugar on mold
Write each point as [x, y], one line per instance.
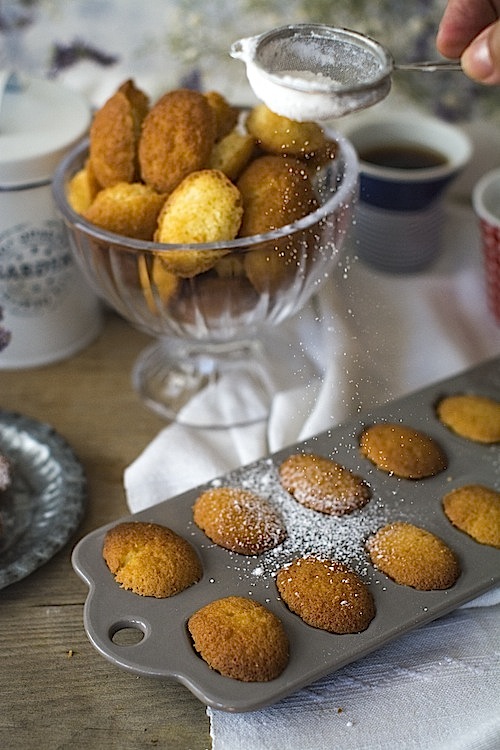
[309, 533]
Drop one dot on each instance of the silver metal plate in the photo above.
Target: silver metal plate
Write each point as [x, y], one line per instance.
[46, 500]
[164, 648]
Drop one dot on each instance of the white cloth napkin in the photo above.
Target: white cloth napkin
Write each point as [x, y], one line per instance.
[374, 337]
[435, 688]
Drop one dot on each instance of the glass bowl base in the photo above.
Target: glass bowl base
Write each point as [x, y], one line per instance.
[206, 386]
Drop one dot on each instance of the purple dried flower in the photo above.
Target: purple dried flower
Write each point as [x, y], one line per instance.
[65, 56]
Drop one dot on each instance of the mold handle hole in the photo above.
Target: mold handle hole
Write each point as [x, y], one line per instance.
[126, 634]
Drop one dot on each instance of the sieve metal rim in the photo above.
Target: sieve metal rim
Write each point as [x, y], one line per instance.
[357, 39]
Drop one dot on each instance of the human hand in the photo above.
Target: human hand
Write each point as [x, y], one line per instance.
[470, 30]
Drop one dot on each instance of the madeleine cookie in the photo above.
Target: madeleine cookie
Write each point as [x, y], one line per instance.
[238, 520]
[150, 559]
[402, 451]
[323, 157]
[82, 188]
[470, 416]
[177, 138]
[232, 153]
[226, 116]
[280, 135]
[129, 209]
[275, 192]
[414, 557]
[326, 594]
[158, 284]
[475, 510]
[205, 207]
[240, 638]
[323, 485]
[114, 135]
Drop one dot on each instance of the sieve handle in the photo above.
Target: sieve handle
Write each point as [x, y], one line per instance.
[430, 66]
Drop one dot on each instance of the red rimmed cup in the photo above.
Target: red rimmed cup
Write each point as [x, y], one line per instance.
[486, 202]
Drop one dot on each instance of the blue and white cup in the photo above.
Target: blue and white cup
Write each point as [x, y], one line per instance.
[407, 162]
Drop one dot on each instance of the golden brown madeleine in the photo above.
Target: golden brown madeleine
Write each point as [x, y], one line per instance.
[205, 207]
[276, 191]
[230, 266]
[475, 510]
[177, 138]
[226, 116]
[471, 416]
[150, 559]
[129, 209]
[403, 451]
[322, 484]
[323, 156]
[114, 135]
[326, 594]
[82, 188]
[232, 153]
[158, 284]
[413, 557]
[238, 520]
[280, 135]
[273, 266]
[139, 103]
[240, 638]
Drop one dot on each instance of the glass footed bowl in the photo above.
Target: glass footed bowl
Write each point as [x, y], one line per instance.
[210, 365]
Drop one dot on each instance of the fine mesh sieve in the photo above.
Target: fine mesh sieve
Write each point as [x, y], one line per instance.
[312, 71]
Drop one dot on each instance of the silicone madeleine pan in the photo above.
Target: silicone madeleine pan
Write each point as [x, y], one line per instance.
[161, 646]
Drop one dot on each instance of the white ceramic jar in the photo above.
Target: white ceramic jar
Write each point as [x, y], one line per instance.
[48, 310]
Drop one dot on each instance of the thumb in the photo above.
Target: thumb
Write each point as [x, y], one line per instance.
[481, 59]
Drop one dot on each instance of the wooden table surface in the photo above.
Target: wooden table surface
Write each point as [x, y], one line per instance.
[56, 691]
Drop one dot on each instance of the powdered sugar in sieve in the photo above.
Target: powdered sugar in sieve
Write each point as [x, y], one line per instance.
[316, 72]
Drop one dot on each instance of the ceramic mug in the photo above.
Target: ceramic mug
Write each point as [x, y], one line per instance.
[407, 161]
[486, 202]
[48, 311]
